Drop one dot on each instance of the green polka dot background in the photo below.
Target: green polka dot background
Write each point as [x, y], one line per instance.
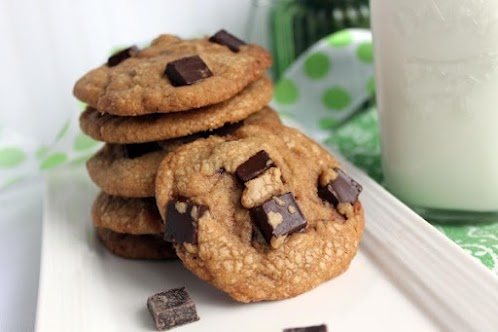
[11, 157]
[317, 65]
[317, 90]
[340, 39]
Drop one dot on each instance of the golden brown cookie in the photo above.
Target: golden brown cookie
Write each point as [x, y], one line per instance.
[136, 216]
[136, 246]
[138, 85]
[155, 127]
[117, 170]
[256, 215]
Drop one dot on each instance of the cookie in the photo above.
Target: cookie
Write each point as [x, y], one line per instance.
[135, 216]
[246, 216]
[135, 246]
[138, 84]
[155, 127]
[117, 172]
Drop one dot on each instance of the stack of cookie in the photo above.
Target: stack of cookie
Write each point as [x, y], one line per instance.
[144, 104]
[195, 164]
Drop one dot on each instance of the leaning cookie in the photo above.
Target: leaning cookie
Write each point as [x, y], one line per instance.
[155, 127]
[262, 217]
[136, 216]
[130, 170]
[172, 75]
[136, 246]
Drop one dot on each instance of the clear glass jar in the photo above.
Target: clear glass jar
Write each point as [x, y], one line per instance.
[437, 82]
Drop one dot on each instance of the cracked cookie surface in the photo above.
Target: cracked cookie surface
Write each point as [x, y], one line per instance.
[199, 183]
[138, 85]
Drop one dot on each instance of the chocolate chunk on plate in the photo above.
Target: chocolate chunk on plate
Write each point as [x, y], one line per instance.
[187, 71]
[182, 217]
[317, 328]
[133, 151]
[122, 55]
[222, 37]
[343, 189]
[254, 166]
[277, 218]
[172, 308]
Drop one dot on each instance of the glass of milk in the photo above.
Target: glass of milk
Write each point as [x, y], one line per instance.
[437, 91]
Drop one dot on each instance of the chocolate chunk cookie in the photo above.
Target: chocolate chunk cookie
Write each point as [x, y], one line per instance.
[135, 246]
[140, 83]
[245, 215]
[154, 127]
[130, 170]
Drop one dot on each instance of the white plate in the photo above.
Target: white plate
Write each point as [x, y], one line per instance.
[406, 277]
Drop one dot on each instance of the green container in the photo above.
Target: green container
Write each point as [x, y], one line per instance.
[297, 24]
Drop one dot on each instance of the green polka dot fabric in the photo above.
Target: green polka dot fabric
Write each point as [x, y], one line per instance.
[329, 82]
[22, 157]
[324, 93]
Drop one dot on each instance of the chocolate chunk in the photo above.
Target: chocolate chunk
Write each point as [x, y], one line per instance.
[226, 130]
[187, 71]
[172, 308]
[122, 55]
[181, 220]
[133, 151]
[278, 217]
[224, 38]
[317, 328]
[254, 166]
[342, 189]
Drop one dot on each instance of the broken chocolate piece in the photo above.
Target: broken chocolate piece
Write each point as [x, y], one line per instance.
[133, 151]
[317, 328]
[172, 308]
[343, 189]
[254, 166]
[277, 218]
[187, 71]
[224, 38]
[182, 217]
[122, 55]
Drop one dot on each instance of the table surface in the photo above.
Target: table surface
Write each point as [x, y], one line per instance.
[20, 240]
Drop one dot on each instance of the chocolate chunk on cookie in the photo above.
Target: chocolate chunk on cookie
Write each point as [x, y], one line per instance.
[277, 218]
[187, 71]
[254, 166]
[122, 55]
[156, 127]
[133, 151]
[137, 85]
[135, 246]
[222, 37]
[136, 216]
[316, 243]
[183, 217]
[342, 189]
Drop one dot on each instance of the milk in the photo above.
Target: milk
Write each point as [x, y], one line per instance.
[437, 88]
